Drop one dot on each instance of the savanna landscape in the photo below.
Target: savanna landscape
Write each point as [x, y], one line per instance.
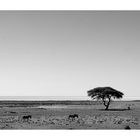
[59, 115]
[101, 113]
[66, 54]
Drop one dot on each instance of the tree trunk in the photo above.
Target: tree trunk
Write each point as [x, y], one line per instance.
[107, 104]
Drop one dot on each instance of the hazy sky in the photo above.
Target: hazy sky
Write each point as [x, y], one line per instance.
[55, 53]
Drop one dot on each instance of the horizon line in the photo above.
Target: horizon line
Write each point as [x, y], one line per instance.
[56, 98]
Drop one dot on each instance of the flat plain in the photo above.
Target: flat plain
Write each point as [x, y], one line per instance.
[57, 115]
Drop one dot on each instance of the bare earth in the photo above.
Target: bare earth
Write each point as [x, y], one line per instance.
[57, 116]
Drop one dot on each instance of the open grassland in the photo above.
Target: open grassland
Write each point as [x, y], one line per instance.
[55, 115]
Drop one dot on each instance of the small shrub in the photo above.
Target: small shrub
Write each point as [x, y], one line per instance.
[127, 127]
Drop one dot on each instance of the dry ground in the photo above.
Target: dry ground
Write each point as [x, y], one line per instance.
[56, 117]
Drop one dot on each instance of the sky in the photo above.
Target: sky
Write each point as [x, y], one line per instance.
[66, 53]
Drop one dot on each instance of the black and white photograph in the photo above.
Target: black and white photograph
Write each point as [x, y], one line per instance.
[69, 70]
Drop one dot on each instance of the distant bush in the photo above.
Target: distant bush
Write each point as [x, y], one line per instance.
[127, 127]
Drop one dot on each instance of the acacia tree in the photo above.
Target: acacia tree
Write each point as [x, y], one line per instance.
[105, 94]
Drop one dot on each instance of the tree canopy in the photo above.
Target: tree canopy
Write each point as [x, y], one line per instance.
[105, 94]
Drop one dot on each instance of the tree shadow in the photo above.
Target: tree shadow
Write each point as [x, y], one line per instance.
[115, 109]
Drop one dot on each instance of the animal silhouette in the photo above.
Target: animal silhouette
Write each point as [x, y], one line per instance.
[73, 117]
[27, 117]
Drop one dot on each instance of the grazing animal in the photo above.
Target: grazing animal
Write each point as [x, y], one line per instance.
[129, 108]
[27, 117]
[72, 117]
